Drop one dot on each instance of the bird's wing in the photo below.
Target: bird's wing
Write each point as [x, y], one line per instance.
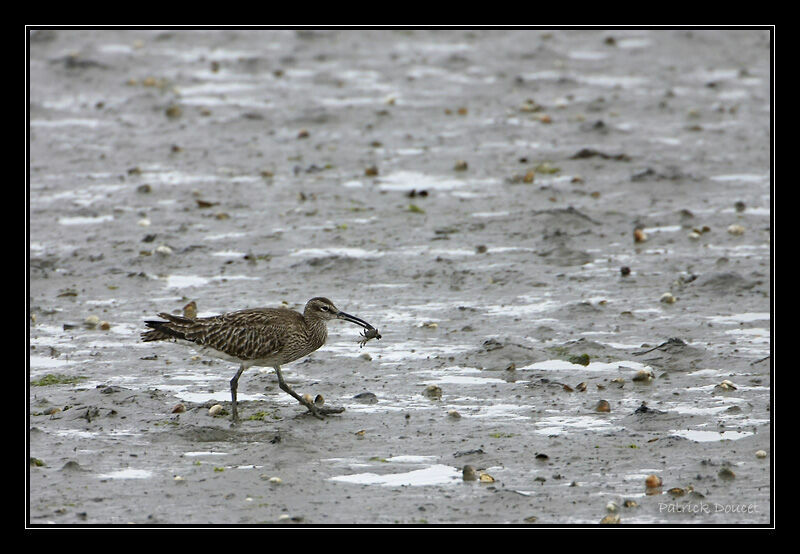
[247, 334]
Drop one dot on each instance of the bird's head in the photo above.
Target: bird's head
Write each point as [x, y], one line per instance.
[322, 308]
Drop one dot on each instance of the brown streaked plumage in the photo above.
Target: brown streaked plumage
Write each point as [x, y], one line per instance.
[267, 337]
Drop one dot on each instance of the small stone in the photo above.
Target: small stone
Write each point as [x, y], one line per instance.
[461, 165]
[433, 392]
[163, 250]
[725, 386]
[761, 454]
[104, 326]
[736, 230]
[639, 235]
[366, 398]
[610, 519]
[92, 321]
[726, 473]
[625, 271]
[642, 376]
[453, 414]
[653, 481]
[602, 406]
[215, 410]
[178, 409]
[612, 507]
[486, 478]
[371, 171]
[275, 480]
[174, 111]
[469, 473]
[667, 298]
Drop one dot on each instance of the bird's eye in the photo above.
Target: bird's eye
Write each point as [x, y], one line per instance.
[324, 308]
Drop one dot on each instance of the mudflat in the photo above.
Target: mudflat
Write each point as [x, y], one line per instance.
[562, 236]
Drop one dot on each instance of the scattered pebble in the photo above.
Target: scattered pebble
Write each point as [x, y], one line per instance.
[366, 398]
[319, 401]
[371, 171]
[694, 235]
[215, 410]
[529, 177]
[653, 481]
[612, 507]
[174, 111]
[602, 406]
[92, 321]
[178, 409]
[433, 392]
[461, 165]
[104, 326]
[725, 386]
[275, 480]
[469, 473]
[736, 230]
[643, 376]
[761, 454]
[740, 206]
[453, 414]
[625, 271]
[667, 298]
[726, 473]
[486, 478]
[163, 250]
[610, 519]
[639, 235]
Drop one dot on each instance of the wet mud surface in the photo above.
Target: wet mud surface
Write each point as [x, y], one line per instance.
[474, 195]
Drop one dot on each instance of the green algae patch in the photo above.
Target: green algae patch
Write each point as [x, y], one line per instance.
[582, 359]
[56, 379]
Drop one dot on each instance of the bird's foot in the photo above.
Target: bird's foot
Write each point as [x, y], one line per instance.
[328, 410]
[320, 412]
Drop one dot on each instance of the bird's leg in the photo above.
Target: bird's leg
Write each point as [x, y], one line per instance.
[286, 388]
[234, 387]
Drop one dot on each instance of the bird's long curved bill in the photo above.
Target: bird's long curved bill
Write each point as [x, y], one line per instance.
[354, 319]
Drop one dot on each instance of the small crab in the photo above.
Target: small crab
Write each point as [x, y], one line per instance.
[368, 334]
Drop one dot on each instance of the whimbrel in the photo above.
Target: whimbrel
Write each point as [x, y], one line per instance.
[267, 337]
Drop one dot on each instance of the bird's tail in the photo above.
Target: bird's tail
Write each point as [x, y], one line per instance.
[173, 328]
